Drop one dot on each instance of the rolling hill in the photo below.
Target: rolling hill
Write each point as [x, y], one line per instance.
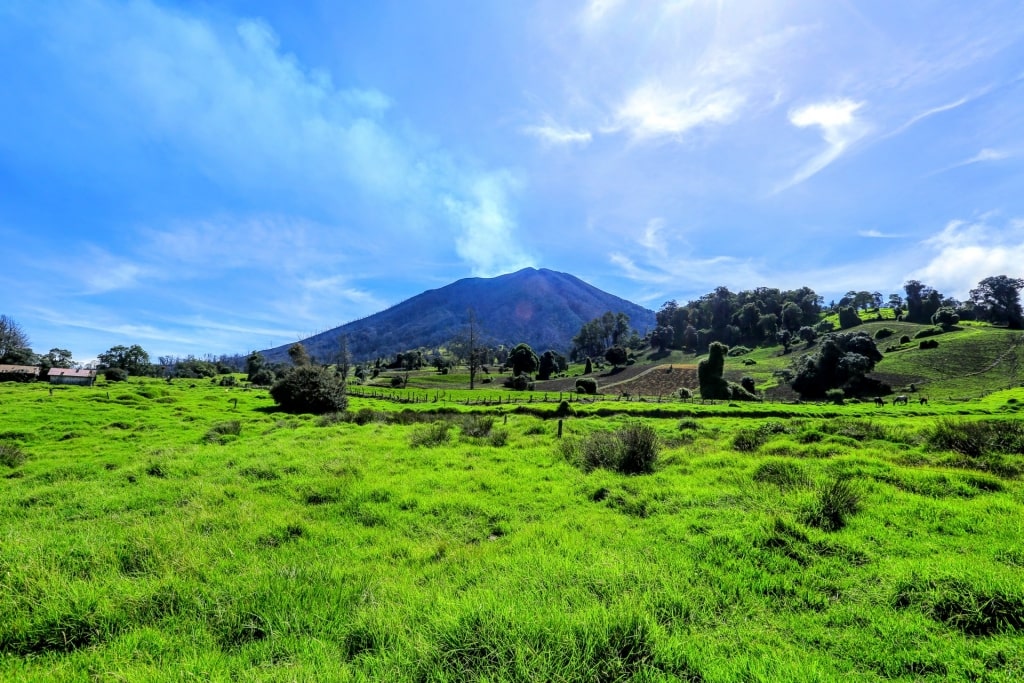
[541, 307]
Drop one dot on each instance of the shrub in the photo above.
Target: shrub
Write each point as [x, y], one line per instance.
[11, 454]
[848, 317]
[397, 382]
[498, 438]
[835, 396]
[884, 333]
[115, 374]
[310, 389]
[928, 344]
[749, 361]
[709, 373]
[748, 384]
[684, 393]
[738, 351]
[586, 385]
[928, 332]
[904, 339]
[564, 409]
[521, 382]
[228, 381]
[836, 500]
[264, 377]
[476, 426]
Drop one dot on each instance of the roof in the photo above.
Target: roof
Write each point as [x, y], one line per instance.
[19, 368]
[71, 372]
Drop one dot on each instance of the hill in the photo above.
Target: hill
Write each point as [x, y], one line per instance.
[541, 307]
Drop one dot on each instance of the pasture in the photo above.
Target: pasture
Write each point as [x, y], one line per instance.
[154, 531]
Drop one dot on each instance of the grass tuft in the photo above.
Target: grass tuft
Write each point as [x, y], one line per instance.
[835, 502]
[11, 454]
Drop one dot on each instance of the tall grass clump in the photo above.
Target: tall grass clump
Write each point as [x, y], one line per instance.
[973, 605]
[984, 444]
[835, 501]
[223, 431]
[633, 449]
[434, 434]
[785, 474]
[11, 454]
[476, 426]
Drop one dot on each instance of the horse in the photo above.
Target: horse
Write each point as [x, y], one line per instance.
[900, 399]
[923, 400]
[879, 401]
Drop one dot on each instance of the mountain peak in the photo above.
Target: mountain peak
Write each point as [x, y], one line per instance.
[542, 307]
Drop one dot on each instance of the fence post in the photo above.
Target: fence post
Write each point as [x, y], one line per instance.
[559, 428]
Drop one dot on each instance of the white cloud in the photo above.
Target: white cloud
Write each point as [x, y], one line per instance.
[965, 252]
[839, 126]
[260, 124]
[983, 156]
[554, 134]
[486, 239]
[654, 110]
[878, 234]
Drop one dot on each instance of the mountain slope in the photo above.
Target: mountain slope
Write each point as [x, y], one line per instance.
[542, 307]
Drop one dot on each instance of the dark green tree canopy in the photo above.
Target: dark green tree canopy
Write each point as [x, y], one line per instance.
[997, 300]
[841, 362]
[616, 355]
[522, 360]
[132, 359]
[310, 389]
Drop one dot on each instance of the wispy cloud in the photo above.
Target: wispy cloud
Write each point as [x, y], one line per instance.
[654, 110]
[486, 238]
[554, 134]
[981, 157]
[917, 118]
[839, 126]
[878, 234]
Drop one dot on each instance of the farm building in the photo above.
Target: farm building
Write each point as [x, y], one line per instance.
[18, 373]
[84, 378]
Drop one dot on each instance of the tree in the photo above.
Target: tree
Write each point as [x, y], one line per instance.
[57, 358]
[616, 355]
[548, 365]
[343, 359]
[522, 360]
[807, 334]
[254, 362]
[13, 342]
[785, 337]
[997, 300]
[132, 359]
[297, 352]
[663, 337]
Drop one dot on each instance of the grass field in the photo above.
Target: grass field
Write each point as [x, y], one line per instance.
[189, 532]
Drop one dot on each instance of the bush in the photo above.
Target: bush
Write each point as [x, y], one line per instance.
[835, 396]
[115, 374]
[521, 382]
[748, 384]
[397, 382]
[848, 317]
[928, 332]
[904, 339]
[564, 409]
[310, 389]
[709, 373]
[476, 426]
[928, 344]
[586, 385]
[684, 393]
[884, 333]
[264, 377]
[639, 448]
[738, 351]
[228, 381]
[749, 361]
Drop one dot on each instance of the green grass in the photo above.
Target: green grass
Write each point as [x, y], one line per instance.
[840, 543]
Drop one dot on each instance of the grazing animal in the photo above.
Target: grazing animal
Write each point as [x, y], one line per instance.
[879, 401]
[900, 399]
[923, 400]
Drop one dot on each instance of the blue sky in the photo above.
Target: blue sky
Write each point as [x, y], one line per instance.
[202, 177]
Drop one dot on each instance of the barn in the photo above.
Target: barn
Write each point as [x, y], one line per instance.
[18, 373]
[83, 378]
